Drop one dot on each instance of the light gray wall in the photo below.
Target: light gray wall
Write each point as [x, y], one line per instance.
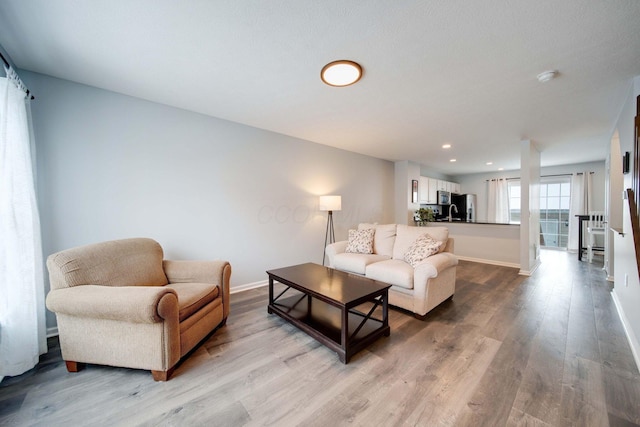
[477, 183]
[626, 290]
[112, 166]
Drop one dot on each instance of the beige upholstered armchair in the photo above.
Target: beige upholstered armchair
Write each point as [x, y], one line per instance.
[119, 303]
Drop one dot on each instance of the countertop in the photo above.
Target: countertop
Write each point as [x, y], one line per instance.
[459, 221]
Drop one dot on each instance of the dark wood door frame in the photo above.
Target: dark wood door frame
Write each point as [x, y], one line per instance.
[635, 181]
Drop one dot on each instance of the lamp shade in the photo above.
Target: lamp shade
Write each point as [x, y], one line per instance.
[330, 203]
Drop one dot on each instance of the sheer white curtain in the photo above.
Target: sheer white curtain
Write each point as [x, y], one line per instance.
[22, 315]
[498, 201]
[581, 200]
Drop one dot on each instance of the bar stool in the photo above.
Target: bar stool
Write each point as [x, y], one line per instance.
[595, 227]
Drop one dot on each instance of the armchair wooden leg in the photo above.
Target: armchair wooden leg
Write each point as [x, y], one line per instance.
[162, 375]
[73, 366]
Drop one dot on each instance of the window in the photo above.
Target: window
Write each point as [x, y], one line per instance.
[555, 198]
[513, 188]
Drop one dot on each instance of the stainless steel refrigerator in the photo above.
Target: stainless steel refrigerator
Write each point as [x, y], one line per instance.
[466, 204]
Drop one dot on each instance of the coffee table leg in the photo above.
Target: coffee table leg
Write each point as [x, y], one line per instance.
[270, 295]
[385, 313]
[345, 336]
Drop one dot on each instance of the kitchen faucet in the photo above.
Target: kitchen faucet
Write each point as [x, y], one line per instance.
[450, 207]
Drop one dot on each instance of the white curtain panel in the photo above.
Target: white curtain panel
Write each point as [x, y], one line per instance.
[22, 324]
[498, 201]
[581, 200]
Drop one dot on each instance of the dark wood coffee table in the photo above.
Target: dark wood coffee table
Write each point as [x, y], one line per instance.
[325, 303]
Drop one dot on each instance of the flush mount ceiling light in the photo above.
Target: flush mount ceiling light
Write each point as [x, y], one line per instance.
[341, 73]
[547, 75]
[446, 146]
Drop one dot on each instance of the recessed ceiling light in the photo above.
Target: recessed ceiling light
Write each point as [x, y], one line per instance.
[453, 160]
[341, 73]
[489, 163]
[547, 75]
[445, 146]
[500, 169]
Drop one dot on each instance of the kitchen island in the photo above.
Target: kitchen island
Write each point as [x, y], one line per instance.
[484, 241]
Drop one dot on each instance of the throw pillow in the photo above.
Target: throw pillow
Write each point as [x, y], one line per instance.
[422, 248]
[360, 241]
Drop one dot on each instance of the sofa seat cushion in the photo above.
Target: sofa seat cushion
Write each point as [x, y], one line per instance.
[193, 296]
[392, 271]
[356, 263]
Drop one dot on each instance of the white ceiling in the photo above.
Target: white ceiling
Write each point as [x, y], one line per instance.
[435, 72]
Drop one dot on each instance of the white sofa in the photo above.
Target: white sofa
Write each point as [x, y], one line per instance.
[418, 289]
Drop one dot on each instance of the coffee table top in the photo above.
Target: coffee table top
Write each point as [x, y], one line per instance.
[327, 283]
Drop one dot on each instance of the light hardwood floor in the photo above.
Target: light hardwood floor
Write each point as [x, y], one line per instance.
[508, 350]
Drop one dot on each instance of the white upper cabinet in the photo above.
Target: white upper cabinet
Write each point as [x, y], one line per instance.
[429, 187]
[433, 192]
[423, 190]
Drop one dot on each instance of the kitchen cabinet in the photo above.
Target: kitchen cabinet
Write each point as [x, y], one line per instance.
[423, 190]
[433, 192]
[428, 189]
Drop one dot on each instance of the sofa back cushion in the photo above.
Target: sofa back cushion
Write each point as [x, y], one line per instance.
[128, 262]
[383, 239]
[406, 235]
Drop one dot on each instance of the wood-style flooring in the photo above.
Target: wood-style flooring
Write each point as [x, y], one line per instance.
[546, 350]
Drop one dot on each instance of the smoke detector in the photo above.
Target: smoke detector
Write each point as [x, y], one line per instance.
[547, 75]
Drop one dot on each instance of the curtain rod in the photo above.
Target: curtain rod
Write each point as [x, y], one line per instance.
[6, 63]
[541, 176]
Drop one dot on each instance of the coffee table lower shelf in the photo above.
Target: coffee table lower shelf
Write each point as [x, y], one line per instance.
[324, 322]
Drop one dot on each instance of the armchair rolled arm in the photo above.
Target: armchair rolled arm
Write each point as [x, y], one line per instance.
[216, 272]
[136, 304]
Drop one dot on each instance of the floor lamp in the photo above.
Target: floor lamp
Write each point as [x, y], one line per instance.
[330, 204]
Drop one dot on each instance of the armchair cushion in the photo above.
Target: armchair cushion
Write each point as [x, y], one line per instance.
[127, 262]
[193, 296]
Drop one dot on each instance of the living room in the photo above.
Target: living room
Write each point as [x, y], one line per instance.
[114, 165]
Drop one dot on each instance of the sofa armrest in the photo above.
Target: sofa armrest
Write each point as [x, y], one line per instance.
[335, 248]
[216, 272]
[431, 268]
[135, 304]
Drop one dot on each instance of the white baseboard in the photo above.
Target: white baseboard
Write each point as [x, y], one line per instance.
[530, 272]
[247, 286]
[489, 261]
[633, 340]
